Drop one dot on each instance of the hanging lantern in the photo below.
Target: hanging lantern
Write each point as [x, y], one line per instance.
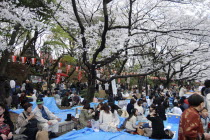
[80, 75]
[77, 68]
[33, 61]
[42, 61]
[23, 60]
[14, 58]
[118, 80]
[68, 67]
[59, 65]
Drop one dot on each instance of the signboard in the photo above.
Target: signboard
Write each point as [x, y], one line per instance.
[114, 87]
[35, 79]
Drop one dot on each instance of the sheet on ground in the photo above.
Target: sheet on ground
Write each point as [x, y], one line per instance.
[89, 134]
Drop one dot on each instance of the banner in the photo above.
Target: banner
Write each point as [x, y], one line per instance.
[59, 64]
[33, 61]
[14, 58]
[42, 61]
[23, 60]
[114, 87]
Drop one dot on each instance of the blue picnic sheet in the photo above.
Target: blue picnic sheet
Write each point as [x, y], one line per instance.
[89, 134]
[50, 103]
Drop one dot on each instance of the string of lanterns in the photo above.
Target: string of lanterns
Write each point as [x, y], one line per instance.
[78, 69]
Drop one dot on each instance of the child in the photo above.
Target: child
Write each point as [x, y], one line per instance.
[157, 124]
[204, 119]
[176, 109]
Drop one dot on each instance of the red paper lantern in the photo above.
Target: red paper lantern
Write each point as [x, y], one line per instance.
[80, 75]
[23, 60]
[59, 64]
[42, 61]
[14, 58]
[68, 67]
[118, 80]
[33, 61]
[77, 68]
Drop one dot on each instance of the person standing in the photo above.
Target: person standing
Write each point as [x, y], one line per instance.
[12, 86]
[190, 126]
[29, 87]
[182, 91]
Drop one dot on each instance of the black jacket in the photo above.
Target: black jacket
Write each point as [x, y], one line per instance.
[157, 128]
[129, 108]
[161, 112]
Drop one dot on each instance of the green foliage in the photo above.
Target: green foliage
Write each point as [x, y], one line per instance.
[69, 59]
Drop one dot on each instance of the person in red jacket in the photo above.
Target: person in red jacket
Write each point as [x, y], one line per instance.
[190, 126]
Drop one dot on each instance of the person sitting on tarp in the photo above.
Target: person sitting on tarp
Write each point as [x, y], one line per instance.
[66, 99]
[97, 111]
[27, 123]
[157, 124]
[75, 99]
[110, 98]
[108, 119]
[57, 98]
[140, 109]
[130, 106]
[23, 99]
[47, 120]
[85, 116]
[119, 95]
[176, 109]
[130, 124]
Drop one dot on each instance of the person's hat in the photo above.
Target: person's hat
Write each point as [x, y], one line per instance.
[68, 117]
[39, 101]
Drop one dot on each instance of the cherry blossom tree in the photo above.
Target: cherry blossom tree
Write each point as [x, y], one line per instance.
[124, 30]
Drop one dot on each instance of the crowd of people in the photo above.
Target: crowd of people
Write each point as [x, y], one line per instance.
[143, 115]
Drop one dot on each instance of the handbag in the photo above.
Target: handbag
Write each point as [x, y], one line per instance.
[42, 135]
[140, 131]
[32, 123]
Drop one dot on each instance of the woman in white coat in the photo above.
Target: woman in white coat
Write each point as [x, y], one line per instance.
[108, 119]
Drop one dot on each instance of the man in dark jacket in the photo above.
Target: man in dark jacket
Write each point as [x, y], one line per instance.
[29, 87]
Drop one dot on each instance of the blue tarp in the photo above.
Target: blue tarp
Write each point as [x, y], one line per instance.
[89, 134]
[50, 103]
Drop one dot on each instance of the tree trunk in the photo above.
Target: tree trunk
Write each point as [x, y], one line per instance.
[140, 84]
[167, 84]
[4, 61]
[91, 85]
